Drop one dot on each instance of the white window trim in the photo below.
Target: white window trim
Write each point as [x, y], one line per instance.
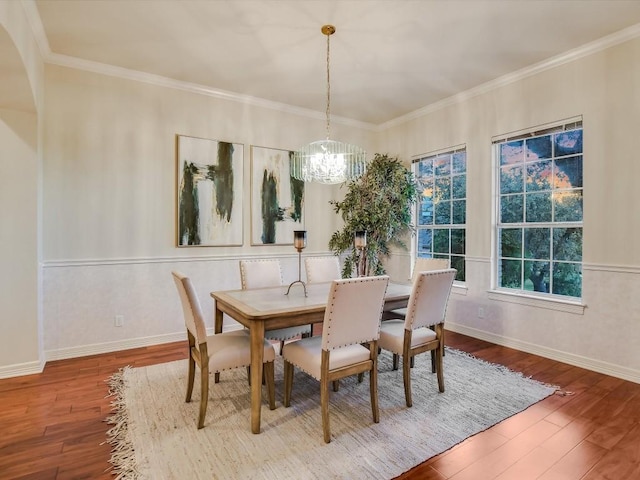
[549, 302]
[521, 297]
[458, 286]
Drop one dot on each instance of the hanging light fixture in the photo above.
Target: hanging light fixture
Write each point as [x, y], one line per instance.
[328, 161]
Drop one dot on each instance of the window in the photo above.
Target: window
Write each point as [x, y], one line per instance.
[442, 210]
[539, 212]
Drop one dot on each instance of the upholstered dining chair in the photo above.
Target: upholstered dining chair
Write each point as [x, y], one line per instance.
[265, 273]
[215, 353]
[322, 269]
[352, 318]
[409, 337]
[422, 265]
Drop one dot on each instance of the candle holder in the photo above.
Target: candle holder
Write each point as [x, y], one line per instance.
[299, 242]
[360, 242]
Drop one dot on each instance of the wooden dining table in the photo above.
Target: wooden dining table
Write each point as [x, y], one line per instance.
[269, 308]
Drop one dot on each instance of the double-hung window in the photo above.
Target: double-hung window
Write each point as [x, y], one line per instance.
[442, 210]
[539, 211]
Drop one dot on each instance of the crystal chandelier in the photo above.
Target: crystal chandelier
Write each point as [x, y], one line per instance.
[328, 161]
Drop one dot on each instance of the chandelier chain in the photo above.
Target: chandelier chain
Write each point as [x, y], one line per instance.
[328, 88]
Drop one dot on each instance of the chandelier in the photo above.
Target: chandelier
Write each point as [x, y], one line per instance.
[328, 161]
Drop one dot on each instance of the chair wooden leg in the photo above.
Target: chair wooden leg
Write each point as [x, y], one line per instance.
[288, 383]
[336, 385]
[433, 361]
[324, 406]
[360, 377]
[406, 377]
[204, 394]
[373, 387]
[249, 375]
[190, 378]
[439, 354]
[395, 361]
[268, 370]
[413, 360]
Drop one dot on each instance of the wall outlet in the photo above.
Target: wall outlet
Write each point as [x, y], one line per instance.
[480, 312]
[119, 321]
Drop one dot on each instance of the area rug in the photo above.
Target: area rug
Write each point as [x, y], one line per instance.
[155, 435]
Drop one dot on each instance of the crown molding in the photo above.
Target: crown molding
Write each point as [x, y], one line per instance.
[603, 43]
[159, 80]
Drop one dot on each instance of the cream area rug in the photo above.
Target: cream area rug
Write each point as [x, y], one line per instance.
[155, 436]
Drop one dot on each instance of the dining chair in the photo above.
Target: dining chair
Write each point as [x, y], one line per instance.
[265, 273]
[216, 353]
[351, 319]
[422, 265]
[322, 269]
[409, 337]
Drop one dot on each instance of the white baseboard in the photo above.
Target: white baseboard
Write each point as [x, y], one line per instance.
[575, 360]
[20, 369]
[107, 347]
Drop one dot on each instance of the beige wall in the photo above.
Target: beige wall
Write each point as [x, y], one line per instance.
[20, 182]
[18, 239]
[110, 170]
[605, 89]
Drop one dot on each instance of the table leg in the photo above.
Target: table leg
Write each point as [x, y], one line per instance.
[257, 353]
[217, 325]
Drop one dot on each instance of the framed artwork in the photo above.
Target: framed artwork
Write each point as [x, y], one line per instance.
[277, 199]
[209, 192]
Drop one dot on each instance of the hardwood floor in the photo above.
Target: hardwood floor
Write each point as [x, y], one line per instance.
[52, 424]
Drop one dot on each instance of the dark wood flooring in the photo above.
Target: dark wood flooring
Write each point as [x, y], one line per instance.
[52, 424]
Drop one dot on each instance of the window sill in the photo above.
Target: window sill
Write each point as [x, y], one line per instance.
[459, 289]
[556, 304]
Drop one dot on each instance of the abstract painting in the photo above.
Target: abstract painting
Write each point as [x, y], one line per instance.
[277, 199]
[209, 192]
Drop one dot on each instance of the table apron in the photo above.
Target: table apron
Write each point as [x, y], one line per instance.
[281, 321]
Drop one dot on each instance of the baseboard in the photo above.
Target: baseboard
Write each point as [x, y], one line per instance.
[108, 347]
[575, 360]
[20, 369]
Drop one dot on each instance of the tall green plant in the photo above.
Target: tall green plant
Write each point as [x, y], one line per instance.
[379, 203]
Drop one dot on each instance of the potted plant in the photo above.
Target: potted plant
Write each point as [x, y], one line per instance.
[378, 203]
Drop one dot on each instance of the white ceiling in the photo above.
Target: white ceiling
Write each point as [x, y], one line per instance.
[388, 57]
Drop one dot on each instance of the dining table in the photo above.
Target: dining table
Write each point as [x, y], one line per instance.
[264, 309]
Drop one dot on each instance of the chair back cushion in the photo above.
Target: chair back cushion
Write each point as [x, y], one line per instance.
[354, 310]
[428, 265]
[322, 269]
[260, 273]
[193, 318]
[429, 297]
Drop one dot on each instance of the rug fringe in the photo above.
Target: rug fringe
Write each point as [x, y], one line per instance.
[502, 368]
[123, 458]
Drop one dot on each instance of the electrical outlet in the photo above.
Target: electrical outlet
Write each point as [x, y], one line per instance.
[480, 312]
[119, 321]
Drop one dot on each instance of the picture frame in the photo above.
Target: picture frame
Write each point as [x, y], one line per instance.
[277, 199]
[209, 192]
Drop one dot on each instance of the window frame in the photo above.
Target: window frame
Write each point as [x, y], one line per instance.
[521, 295]
[415, 161]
